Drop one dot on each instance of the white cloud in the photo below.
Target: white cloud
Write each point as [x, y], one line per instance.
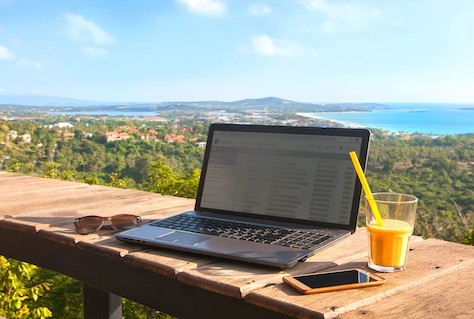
[264, 45]
[207, 7]
[88, 34]
[82, 30]
[258, 9]
[6, 54]
[344, 16]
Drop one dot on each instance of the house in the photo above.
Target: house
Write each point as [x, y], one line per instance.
[25, 138]
[12, 135]
[116, 136]
[86, 135]
[68, 135]
[173, 138]
[64, 125]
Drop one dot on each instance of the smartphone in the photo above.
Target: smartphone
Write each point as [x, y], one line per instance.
[333, 280]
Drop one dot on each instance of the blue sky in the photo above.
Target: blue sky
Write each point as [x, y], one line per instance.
[186, 50]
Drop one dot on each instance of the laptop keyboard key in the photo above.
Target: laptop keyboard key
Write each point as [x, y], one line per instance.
[245, 231]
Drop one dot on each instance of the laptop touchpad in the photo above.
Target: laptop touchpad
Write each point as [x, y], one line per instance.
[184, 238]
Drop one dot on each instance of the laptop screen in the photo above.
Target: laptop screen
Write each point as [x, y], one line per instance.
[291, 173]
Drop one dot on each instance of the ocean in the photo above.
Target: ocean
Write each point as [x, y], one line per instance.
[426, 118]
[434, 119]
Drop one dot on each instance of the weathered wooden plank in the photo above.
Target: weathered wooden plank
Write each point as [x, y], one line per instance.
[46, 208]
[428, 260]
[28, 179]
[5, 176]
[237, 279]
[234, 279]
[93, 198]
[30, 196]
[59, 202]
[13, 184]
[444, 297]
[165, 261]
[53, 205]
[54, 201]
[162, 261]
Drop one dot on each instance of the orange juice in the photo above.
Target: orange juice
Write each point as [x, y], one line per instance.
[388, 244]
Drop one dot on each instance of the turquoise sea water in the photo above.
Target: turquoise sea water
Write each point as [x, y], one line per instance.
[410, 118]
[435, 119]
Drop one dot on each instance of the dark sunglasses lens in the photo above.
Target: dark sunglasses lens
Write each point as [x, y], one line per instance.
[88, 224]
[125, 221]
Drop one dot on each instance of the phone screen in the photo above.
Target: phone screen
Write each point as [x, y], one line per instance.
[335, 279]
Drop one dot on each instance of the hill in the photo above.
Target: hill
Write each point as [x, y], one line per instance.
[270, 103]
[41, 100]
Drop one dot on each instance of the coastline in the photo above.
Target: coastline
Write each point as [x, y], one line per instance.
[434, 120]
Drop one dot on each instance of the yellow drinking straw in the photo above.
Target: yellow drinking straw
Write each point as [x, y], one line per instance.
[365, 186]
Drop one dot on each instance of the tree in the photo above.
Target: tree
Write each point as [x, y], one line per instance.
[469, 239]
[162, 179]
[116, 181]
[18, 294]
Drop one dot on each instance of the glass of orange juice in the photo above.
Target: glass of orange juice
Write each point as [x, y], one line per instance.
[388, 243]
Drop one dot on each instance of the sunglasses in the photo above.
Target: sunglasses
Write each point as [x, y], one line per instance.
[89, 224]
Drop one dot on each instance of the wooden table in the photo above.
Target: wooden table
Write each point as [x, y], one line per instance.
[36, 225]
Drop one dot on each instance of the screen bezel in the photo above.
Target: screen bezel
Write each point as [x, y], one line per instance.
[364, 134]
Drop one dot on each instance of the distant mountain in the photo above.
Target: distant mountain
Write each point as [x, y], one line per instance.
[271, 103]
[45, 100]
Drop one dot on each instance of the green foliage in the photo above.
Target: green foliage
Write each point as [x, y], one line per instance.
[133, 310]
[162, 179]
[89, 158]
[65, 296]
[51, 170]
[439, 172]
[469, 239]
[116, 181]
[19, 295]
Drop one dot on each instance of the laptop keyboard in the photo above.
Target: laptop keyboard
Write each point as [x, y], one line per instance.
[244, 231]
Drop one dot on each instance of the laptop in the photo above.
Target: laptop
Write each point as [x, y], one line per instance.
[269, 195]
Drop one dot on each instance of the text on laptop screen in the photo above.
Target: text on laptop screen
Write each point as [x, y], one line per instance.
[307, 177]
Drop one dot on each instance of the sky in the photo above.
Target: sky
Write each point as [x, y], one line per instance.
[317, 51]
